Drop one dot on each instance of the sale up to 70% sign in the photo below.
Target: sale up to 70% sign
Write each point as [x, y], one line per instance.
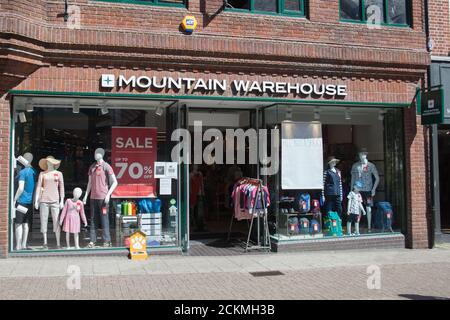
[135, 170]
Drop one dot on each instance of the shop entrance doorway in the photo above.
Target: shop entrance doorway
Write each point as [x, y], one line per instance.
[211, 185]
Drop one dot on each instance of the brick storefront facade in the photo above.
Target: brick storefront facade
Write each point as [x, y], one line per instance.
[38, 52]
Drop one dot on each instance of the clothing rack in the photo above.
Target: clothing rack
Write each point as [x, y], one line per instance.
[263, 236]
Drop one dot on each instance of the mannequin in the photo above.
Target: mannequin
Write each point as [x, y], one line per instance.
[100, 176]
[197, 190]
[355, 207]
[365, 172]
[332, 187]
[24, 198]
[70, 217]
[50, 196]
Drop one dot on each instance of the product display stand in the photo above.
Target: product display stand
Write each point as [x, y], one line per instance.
[263, 236]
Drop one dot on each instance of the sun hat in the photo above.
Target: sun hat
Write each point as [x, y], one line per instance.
[364, 151]
[43, 163]
[332, 159]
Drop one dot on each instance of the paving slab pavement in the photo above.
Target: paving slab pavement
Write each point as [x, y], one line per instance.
[403, 274]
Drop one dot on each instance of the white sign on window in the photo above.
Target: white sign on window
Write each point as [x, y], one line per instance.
[301, 156]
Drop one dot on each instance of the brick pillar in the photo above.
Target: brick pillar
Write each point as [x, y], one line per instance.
[4, 174]
[417, 176]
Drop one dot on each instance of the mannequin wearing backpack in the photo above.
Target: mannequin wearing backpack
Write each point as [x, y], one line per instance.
[101, 184]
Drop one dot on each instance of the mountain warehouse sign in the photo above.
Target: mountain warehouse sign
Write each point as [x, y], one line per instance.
[221, 86]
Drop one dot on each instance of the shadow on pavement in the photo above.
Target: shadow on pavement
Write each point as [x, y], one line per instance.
[420, 297]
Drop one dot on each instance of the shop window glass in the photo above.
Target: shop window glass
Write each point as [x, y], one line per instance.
[375, 11]
[288, 7]
[266, 5]
[307, 200]
[72, 131]
[292, 5]
[397, 10]
[239, 4]
[351, 9]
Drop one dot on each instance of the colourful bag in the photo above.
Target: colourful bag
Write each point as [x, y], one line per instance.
[384, 216]
[315, 206]
[293, 225]
[333, 224]
[304, 203]
[303, 226]
[314, 227]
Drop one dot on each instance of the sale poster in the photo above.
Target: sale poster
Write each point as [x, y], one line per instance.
[134, 152]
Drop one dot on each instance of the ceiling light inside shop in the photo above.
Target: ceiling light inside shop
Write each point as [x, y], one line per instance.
[317, 114]
[348, 114]
[159, 111]
[381, 115]
[288, 115]
[29, 105]
[22, 117]
[103, 107]
[76, 107]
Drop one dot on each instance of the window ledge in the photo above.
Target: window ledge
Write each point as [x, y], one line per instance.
[134, 4]
[382, 26]
[258, 14]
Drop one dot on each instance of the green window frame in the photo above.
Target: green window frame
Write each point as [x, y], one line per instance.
[387, 21]
[280, 9]
[166, 3]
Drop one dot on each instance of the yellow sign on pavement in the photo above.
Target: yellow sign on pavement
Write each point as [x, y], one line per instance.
[138, 246]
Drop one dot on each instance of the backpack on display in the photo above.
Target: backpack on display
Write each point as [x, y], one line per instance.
[304, 203]
[293, 225]
[384, 216]
[315, 205]
[334, 224]
[304, 226]
[314, 227]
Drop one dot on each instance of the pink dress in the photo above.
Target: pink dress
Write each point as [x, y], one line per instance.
[70, 216]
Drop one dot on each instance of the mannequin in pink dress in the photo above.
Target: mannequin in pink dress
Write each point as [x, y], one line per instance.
[70, 217]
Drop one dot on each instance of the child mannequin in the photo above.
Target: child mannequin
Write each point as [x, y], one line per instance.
[70, 217]
[355, 207]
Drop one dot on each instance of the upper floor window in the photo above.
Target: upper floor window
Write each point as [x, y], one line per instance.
[173, 3]
[286, 7]
[388, 12]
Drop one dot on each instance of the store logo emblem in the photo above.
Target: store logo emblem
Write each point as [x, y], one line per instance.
[108, 81]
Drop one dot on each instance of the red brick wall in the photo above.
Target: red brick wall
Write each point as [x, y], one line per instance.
[39, 52]
[4, 175]
[439, 22]
[416, 181]
[86, 79]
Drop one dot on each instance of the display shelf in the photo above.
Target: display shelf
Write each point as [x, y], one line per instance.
[284, 222]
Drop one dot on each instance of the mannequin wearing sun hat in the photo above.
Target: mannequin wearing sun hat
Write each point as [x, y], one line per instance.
[332, 187]
[366, 173]
[50, 196]
[101, 184]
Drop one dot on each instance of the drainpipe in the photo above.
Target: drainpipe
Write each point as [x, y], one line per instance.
[435, 219]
